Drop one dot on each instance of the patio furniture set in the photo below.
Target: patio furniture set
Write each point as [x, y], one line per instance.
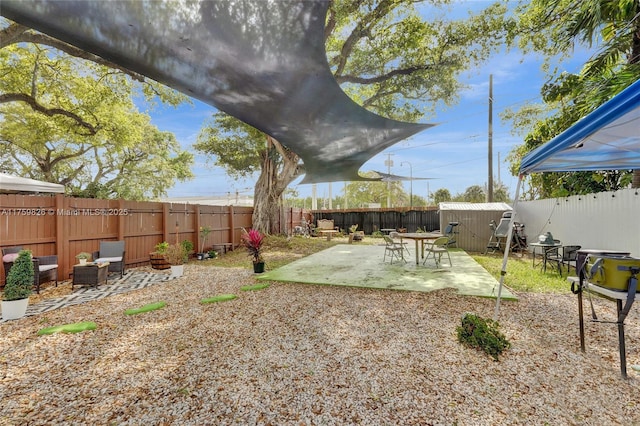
[110, 258]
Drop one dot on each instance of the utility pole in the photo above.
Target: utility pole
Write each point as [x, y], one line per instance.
[410, 183]
[389, 164]
[314, 197]
[490, 153]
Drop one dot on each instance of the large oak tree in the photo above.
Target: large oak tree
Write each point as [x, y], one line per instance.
[69, 117]
[389, 56]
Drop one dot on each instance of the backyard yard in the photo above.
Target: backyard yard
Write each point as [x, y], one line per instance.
[292, 353]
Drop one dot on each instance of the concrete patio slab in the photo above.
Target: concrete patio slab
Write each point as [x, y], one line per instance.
[362, 266]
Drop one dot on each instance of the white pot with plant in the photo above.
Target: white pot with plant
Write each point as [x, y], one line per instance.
[176, 255]
[83, 257]
[18, 287]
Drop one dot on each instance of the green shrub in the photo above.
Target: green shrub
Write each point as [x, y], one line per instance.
[20, 279]
[481, 333]
[187, 246]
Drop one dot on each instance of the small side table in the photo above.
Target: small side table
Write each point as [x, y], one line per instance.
[90, 274]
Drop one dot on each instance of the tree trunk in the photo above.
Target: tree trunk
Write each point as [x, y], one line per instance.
[279, 168]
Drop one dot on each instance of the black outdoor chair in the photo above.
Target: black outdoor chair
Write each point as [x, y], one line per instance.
[45, 267]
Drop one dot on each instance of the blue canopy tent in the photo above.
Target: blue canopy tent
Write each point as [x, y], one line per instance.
[606, 139]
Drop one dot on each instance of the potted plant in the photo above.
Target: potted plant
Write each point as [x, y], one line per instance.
[204, 233]
[212, 254]
[18, 287]
[253, 241]
[176, 255]
[157, 256]
[83, 257]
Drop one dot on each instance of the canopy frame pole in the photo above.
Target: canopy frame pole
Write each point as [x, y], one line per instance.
[507, 247]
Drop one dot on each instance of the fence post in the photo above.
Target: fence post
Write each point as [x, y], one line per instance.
[166, 214]
[62, 239]
[121, 220]
[232, 227]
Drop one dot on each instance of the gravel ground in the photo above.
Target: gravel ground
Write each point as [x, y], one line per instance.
[295, 354]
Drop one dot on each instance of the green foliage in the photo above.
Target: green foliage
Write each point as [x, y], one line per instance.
[483, 334]
[441, 195]
[556, 29]
[72, 121]
[161, 247]
[83, 255]
[20, 279]
[176, 254]
[187, 246]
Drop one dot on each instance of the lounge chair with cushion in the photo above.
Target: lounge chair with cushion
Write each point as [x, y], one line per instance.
[45, 267]
[112, 252]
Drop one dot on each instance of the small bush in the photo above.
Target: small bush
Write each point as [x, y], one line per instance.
[20, 278]
[481, 333]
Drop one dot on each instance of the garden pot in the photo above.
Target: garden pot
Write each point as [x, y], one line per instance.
[258, 267]
[158, 261]
[83, 261]
[14, 309]
[176, 271]
[200, 256]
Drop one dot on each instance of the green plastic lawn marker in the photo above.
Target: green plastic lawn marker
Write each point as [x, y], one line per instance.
[219, 298]
[69, 328]
[254, 287]
[146, 308]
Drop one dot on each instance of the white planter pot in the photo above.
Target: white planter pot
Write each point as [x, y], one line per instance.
[14, 309]
[83, 261]
[176, 271]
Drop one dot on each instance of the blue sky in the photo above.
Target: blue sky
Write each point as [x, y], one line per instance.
[453, 153]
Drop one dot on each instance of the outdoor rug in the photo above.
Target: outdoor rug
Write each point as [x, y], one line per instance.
[362, 266]
[133, 280]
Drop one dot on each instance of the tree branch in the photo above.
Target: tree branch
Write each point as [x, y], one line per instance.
[16, 33]
[33, 103]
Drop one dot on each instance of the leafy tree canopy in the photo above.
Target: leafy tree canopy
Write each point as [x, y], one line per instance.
[555, 28]
[74, 121]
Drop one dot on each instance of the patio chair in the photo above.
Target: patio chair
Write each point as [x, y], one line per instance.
[112, 252]
[569, 258]
[436, 250]
[553, 257]
[450, 232]
[45, 267]
[393, 249]
[393, 235]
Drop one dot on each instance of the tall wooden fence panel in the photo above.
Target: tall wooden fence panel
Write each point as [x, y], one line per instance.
[66, 226]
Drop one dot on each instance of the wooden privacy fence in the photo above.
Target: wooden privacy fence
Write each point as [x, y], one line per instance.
[66, 226]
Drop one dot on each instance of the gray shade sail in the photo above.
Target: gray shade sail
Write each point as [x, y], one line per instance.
[263, 62]
[606, 139]
[386, 177]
